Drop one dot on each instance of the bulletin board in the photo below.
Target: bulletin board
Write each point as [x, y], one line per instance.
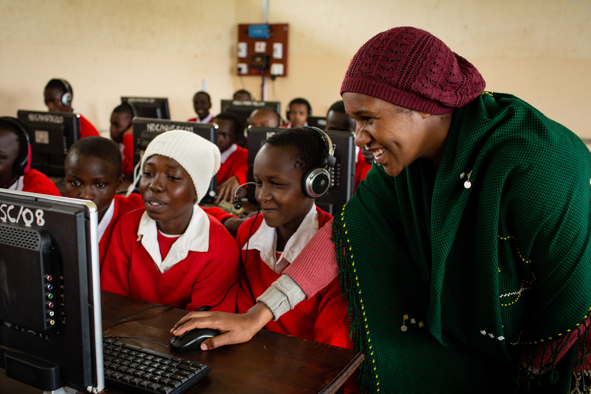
[253, 52]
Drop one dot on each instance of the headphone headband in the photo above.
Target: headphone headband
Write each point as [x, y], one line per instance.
[317, 180]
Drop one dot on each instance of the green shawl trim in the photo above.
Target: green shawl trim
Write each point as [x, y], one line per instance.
[448, 285]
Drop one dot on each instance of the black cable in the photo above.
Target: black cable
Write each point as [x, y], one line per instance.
[139, 339]
[137, 313]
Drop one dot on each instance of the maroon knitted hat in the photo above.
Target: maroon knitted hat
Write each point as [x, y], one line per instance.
[411, 68]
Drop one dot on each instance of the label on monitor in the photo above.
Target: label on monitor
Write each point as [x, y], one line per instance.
[41, 137]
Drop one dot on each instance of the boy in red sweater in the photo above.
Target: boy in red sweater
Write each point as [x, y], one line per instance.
[58, 95]
[172, 252]
[234, 159]
[15, 160]
[202, 105]
[122, 134]
[93, 172]
[298, 111]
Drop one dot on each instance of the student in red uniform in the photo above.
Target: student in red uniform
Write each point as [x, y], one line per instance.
[264, 117]
[242, 95]
[93, 172]
[271, 240]
[337, 119]
[58, 95]
[122, 134]
[298, 111]
[202, 105]
[15, 160]
[172, 252]
[234, 167]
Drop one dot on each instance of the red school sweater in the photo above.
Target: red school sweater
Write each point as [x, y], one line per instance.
[127, 162]
[86, 128]
[36, 182]
[235, 164]
[202, 278]
[322, 318]
[361, 169]
[122, 206]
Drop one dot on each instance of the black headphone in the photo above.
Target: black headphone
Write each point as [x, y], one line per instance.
[133, 113]
[68, 94]
[298, 99]
[22, 164]
[317, 180]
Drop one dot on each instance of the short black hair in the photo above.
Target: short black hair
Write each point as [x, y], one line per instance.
[300, 100]
[309, 147]
[101, 148]
[23, 148]
[265, 109]
[242, 91]
[59, 84]
[237, 124]
[339, 107]
[124, 108]
[205, 93]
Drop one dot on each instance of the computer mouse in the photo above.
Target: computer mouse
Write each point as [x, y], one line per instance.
[191, 340]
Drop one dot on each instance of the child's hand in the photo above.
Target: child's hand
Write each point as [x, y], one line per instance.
[235, 328]
[226, 190]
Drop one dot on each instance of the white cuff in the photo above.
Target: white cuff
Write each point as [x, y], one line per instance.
[282, 296]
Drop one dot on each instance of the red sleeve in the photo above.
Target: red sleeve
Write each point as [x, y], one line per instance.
[218, 213]
[115, 272]
[316, 265]
[331, 324]
[241, 165]
[128, 154]
[87, 129]
[36, 182]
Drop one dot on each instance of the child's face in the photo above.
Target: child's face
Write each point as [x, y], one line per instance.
[201, 104]
[263, 118]
[242, 96]
[298, 115]
[226, 135]
[168, 194]
[8, 153]
[53, 100]
[279, 187]
[339, 121]
[91, 178]
[119, 123]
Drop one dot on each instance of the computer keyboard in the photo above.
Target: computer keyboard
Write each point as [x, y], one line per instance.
[143, 370]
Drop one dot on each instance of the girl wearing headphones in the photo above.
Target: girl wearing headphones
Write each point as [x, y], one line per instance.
[15, 160]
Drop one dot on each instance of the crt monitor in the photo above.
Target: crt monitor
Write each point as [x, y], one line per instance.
[50, 307]
[52, 134]
[145, 130]
[148, 107]
[316, 121]
[243, 109]
[343, 173]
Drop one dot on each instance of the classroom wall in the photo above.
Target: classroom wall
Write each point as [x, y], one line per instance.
[538, 50]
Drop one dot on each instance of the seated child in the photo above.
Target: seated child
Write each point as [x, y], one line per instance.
[298, 111]
[273, 239]
[202, 105]
[234, 166]
[93, 172]
[122, 134]
[171, 252]
[264, 117]
[337, 119]
[242, 95]
[15, 161]
[58, 95]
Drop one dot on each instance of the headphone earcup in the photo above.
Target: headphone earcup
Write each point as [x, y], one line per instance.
[316, 182]
[67, 98]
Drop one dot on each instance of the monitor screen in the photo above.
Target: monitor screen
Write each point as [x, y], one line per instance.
[145, 130]
[148, 107]
[343, 173]
[53, 133]
[50, 315]
[316, 121]
[243, 109]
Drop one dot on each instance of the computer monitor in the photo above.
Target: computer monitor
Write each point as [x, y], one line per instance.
[50, 307]
[316, 121]
[148, 107]
[343, 173]
[145, 130]
[53, 133]
[243, 109]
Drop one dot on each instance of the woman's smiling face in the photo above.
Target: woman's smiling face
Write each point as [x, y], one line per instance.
[396, 136]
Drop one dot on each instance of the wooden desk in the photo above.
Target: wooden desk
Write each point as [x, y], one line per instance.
[269, 363]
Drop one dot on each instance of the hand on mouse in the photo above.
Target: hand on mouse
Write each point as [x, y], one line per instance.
[235, 328]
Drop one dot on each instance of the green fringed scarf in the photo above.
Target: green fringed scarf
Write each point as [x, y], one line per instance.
[447, 285]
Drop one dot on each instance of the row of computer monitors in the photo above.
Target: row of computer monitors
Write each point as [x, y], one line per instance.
[54, 133]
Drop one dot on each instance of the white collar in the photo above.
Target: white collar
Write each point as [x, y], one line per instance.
[224, 156]
[195, 239]
[18, 184]
[107, 217]
[207, 119]
[356, 154]
[265, 241]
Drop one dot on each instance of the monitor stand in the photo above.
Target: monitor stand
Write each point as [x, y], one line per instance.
[63, 390]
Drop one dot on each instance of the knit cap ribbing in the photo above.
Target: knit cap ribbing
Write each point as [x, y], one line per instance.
[411, 68]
